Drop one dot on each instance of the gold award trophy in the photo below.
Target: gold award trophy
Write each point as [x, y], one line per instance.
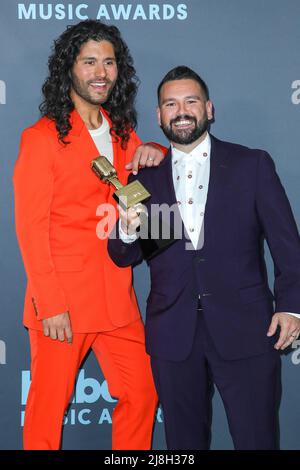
[128, 196]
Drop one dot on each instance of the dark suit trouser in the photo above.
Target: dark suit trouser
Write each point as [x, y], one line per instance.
[249, 388]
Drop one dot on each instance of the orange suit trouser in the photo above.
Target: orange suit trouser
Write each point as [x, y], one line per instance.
[126, 367]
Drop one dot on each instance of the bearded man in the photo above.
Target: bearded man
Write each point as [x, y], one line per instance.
[76, 297]
[210, 313]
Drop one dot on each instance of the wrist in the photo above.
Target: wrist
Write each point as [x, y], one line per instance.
[124, 228]
[125, 235]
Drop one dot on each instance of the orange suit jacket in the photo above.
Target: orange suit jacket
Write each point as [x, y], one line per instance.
[56, 197]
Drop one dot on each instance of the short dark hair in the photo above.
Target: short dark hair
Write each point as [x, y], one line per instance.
[180, 73]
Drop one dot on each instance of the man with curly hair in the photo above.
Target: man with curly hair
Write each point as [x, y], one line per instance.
[76, 297]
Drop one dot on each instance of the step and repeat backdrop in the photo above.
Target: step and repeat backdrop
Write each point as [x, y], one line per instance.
[248, 53]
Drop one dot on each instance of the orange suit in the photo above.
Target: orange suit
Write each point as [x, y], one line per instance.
[69, 270]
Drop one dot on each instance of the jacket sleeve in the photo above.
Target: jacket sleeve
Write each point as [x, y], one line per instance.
[159, 146]
[281, 233]
[123, 254]
[33, 185]
[132, 145]
[135, 141]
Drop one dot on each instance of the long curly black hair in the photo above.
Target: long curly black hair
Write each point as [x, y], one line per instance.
[58, 105]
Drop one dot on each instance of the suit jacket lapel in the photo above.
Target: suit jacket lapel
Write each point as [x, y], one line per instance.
[164, 193]
[164, 185]
[119, 155]
[80, 136]
[87, 150]
[218, 179]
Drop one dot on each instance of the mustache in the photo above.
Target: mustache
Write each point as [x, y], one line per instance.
[183, 117]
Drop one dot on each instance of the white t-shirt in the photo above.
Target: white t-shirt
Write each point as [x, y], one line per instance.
[103, 140]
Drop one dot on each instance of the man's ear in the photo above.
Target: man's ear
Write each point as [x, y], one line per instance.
[209, 110]
[158, 116]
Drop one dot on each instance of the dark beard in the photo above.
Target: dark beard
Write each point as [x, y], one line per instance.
[185, 137]
[84, 94]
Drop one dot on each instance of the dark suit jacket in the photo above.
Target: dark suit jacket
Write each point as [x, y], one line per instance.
[246, 204]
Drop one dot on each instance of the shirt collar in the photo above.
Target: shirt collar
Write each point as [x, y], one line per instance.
[104, 127]
[200, 154]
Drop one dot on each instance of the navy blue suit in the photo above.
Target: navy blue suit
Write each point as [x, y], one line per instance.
[246, 204]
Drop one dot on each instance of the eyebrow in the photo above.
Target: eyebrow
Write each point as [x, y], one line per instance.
[194, 97]
[94, 58]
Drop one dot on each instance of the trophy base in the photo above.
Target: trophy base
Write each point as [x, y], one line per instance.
[154, 244]
[131, 194]
[152, 248]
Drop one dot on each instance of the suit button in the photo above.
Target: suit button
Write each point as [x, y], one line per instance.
[201, 260]
[207, 294]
